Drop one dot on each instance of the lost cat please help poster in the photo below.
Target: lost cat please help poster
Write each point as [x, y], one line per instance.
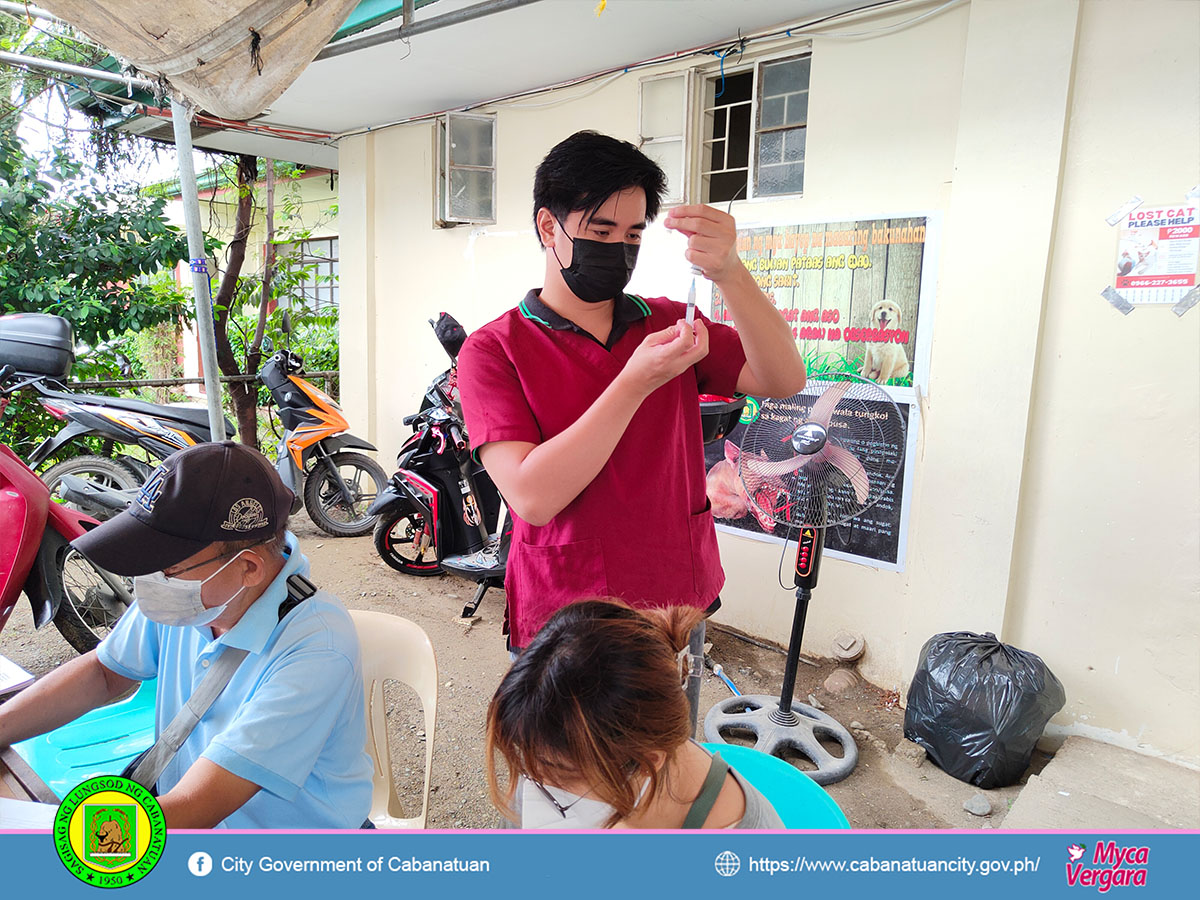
[856, 296]
[1157, 253]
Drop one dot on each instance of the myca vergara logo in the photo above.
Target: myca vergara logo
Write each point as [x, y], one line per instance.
[1107, 866]
[109, 832]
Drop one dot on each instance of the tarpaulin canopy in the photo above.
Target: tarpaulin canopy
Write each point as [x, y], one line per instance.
[231, 57]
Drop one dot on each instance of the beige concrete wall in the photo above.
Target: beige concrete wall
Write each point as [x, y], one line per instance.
[1105, 573]
[1002, 118]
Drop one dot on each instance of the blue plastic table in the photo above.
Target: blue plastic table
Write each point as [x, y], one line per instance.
[100, 742]
[800, 801]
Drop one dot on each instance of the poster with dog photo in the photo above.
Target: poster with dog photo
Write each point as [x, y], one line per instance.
[856, 298]
[851, 291]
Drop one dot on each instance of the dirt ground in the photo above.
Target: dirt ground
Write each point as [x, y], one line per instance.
[881, 792]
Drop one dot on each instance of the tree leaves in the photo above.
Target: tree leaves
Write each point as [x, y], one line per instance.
[68, 250]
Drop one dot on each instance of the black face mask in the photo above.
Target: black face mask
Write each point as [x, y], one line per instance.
[599, 270]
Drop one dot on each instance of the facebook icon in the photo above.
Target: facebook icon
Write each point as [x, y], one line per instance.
[200, 864]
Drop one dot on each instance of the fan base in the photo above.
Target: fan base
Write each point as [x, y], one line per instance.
[774, 732]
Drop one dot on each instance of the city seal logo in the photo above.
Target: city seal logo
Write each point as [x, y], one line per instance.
[750, 411]
[111, 829]
[109, 832]
[245, 515]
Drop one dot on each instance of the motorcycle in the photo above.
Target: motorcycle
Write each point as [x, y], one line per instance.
[313, 460]
[39, 350]
[440, 510]
[36, 557]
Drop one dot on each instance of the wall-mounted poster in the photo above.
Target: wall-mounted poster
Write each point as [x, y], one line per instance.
[876, 538]
[858, 301]
[850, 290]
[1157, 253]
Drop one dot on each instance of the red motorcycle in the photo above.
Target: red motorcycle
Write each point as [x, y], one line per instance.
[36, 557]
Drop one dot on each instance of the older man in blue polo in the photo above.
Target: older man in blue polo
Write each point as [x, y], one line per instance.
[217, 574]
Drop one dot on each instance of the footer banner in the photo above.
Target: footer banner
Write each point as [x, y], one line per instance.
[444, 865]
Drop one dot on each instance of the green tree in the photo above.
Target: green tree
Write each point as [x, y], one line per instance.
[70, 249]
[242, 304]
[107, 148]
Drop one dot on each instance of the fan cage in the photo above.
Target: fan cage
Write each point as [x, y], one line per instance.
[865, 422]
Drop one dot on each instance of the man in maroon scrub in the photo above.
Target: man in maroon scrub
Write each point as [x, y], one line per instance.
[582, 402]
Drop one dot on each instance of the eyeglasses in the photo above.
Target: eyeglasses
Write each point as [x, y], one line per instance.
[544, 791]
[689, 665]
[629, 769]
[217, 557]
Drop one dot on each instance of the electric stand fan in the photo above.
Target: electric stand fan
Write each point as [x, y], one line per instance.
[813, 461]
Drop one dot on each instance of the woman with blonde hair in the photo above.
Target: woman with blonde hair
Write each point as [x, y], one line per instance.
[592, 730]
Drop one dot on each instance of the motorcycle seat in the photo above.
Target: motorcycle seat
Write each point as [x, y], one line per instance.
[478, 566]
[190, 416]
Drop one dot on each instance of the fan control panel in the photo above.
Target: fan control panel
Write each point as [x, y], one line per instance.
[808, 555]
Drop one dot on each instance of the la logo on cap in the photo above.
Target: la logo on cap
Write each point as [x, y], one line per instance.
[152, 489]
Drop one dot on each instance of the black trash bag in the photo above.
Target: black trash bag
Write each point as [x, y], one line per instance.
[978, 706]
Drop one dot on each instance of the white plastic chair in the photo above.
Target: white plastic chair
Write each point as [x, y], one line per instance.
[394, 649]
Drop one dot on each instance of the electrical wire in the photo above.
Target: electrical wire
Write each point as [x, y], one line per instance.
[710, 49]
[603, 84]
[720, 49]
[293, 134]
[65, 39]
[27, 101]
[112, 103]
[787, 536]
[729, 52]
[25, 113]
[885, 29]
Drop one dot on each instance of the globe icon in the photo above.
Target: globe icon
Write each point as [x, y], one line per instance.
[727, 863]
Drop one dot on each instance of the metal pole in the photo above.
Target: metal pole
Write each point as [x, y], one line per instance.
[27, 9]
[404, 31]
[53, 65]
[199, 267]
[784, 715]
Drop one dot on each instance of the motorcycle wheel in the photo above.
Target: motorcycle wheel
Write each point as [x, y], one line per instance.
[91, 600]
[323, 496]
[110, 473]
[394, 533]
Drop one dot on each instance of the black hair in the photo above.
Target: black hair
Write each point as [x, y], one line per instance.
[587, 168]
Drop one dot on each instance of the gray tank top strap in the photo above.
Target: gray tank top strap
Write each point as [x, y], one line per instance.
[707, 797]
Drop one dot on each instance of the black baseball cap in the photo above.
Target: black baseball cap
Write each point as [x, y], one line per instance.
[209, 493]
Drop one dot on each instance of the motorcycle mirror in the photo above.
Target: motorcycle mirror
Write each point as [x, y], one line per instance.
[285, 322]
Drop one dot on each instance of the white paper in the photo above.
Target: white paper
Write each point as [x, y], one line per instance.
[12, 676]
[21, 814]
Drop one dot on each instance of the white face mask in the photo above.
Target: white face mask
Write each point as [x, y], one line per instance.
[582, 812]
[176, 601]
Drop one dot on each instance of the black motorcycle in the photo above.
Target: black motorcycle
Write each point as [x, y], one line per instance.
[441, 510]
[39, 349]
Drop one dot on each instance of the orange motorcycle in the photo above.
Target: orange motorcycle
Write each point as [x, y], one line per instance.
[336, 486]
